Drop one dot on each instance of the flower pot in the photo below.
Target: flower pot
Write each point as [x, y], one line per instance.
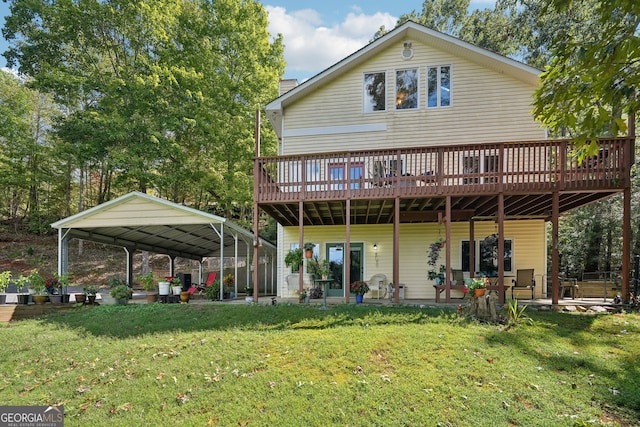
[248, 299]
[438, 281]
[152, 297]
[81, 298]
[39, 299]
[164, 288]
[184, 296]
[359, 299]
[107, 299]
[122, 301]
[177, 290]
[308, 254]
[91, 299]
[307, 299]
[3, 298]
[479, 292]
[23, 299]
[55, 299]
[65, 298]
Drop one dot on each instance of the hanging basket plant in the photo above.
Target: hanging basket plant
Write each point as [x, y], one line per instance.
[432, 259]
[434, 251]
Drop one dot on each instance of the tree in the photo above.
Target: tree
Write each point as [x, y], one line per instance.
[160, 95]
[590, 86]
[28, 168]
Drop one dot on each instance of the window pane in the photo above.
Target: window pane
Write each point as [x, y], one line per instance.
[445, 86]
[465, 255]
[336, 173]
[356, 176]
[406, 89]
[432, 87]
[374, 92]
[489, 257]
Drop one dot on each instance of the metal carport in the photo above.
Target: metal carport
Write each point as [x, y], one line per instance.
[138, 221]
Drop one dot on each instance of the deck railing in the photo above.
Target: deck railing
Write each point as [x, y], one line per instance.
[446, 170]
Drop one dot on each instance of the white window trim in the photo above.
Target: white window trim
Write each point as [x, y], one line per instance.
[418, 89]
[386, 88]
[438, 89]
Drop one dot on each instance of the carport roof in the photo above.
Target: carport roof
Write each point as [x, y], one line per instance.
[139, 221]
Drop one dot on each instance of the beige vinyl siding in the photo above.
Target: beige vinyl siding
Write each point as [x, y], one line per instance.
[529, 249]
[487, 106]
[138, 212]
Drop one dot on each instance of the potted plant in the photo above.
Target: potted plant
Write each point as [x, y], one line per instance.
[149, 285]
[293, 259]
[249, 292]
[63, 284]
[229, 282]
[359, 288]
[302, 295]
[308, 249]
[176, 284]
[37, 283]
[478, 286]
[21, 284]
[320, 269]
[5, 279]
[212, 291]
[121, 294]
[437, 276]
[90, 291]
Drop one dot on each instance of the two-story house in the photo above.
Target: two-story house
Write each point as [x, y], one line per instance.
[417, 137]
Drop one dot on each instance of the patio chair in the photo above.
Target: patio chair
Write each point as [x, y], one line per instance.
[524, 280]
[457, 276]
[378, 283]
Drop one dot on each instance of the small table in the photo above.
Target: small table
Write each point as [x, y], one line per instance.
[570, 283]
[325, 284]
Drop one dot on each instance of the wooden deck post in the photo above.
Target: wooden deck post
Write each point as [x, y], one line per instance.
[301, 243]
[501, 248]
[347, 252]
[396, 246]
[626, 208]
[256, 217]
[555, 255]
[472, 249]
[447, 228]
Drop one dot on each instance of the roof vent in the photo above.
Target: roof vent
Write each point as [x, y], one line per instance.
[407, 51]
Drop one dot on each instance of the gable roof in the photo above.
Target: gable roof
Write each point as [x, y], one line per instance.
[139, 221]
[409, 31]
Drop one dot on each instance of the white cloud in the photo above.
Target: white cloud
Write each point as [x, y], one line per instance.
[310, 46]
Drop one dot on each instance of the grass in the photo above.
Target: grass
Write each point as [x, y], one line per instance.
[291, 365]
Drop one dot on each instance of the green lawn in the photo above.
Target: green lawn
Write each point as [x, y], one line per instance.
[292, 365]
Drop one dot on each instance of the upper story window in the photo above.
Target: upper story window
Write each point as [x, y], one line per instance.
[407, 89]
[374, 91]
[439, 86]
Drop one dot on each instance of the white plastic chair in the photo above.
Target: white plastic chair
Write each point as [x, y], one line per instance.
[378, 283]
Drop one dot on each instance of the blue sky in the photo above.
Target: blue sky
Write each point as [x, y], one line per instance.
[318, 34]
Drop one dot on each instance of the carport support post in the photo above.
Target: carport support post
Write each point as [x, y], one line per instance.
[63, 251]
[129, 253]
[235, 264]
[221, 261]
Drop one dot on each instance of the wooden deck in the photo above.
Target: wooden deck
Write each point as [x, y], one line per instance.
[420, 179]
